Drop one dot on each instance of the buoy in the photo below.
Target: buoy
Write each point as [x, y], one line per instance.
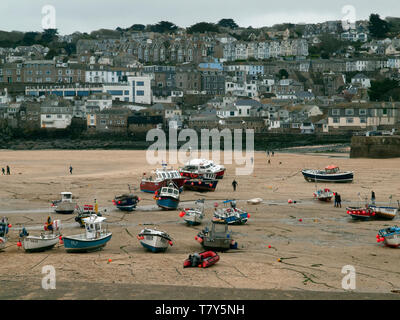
[10, 225]
[300, 220]
[290, 201]
[248, 215]
[19, 244]
[109, 260]
[269, 246]
[279, 260]
[170, 243]
[182, 213]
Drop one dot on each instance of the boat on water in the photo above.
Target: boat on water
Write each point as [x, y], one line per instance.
[387, 213]
[389, 236]
[126, 201]
[323, 194]
[65, 205]
[167, 198]
[330, 174]
[4, 228]
[193, 216]
[87, 211]
[231, 215]
[161, 178]
[43, 242]
[94, 238]
[216, 236]
[361, 213]
[203, 259]
[154, 240]
[198, 167]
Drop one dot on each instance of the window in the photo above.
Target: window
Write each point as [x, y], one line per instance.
[363, 120]
[335, 120]
[140, 83]
[140, 93]
[335, 112]
[362, 112]
[349, 112]
[349, 120]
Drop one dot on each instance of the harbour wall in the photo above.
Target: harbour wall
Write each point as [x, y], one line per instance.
[379, 147]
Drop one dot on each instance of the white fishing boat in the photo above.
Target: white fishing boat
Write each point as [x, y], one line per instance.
[154, 240]
[65, 205]
[231, 215]
[254, 201]
[193, 216]
[389, 236]
[45, 241]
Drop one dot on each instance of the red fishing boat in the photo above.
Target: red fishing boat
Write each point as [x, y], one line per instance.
[160, 178]
[195, 168]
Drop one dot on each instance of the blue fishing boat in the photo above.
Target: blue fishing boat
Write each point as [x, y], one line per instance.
[231, 215]
[168, 197]
[94, 238]
[390, 236]
[4, 226]
[330, 174]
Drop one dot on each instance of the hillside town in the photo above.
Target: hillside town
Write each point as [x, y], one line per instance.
[305, 79]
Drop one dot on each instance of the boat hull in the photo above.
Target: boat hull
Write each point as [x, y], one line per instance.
[65, 208]
[39, 244]
[392, 241]
[201, 185]
[167, 203]
[360, 213]
[152, 186]
[74, 244]
[154, 243]
[3, 242]
[387, 213]
[311, 176]
[188, 174]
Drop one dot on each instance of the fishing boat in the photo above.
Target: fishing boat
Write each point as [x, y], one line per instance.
[216, 236]
[161, 178]
[154, 240]
[254, 201]
[65, 205]
[87, 211]
[94, 238]
[390, 236]
[4, 227]
[323, 194]
[127, 201]
[203, 183]
[360, 213]
[168, 197]
[231, 215]
[387, 213]
[197, 167]
[193, 216]
[203, 259]
[45, 241]
[330, 174]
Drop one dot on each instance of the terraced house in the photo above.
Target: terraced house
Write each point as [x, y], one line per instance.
[365, 116]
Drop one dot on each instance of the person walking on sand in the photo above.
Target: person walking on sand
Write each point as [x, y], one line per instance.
[234, 184]
[70, 169]
[373, 197]
[273, 153]
[339, 201]
[8, 170]
[4, 171]
[336, 199]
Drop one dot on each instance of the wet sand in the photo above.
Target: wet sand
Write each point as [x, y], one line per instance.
[312, 251]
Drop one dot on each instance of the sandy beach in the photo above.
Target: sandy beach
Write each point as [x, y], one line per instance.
[312, 251]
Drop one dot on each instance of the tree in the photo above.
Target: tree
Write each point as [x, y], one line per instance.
[137, 27]
[283, 74]
[203, 27]
[378, 28]
[163, 26]
[380, 90]
[49, 35]
[29, 38]
[227, 23]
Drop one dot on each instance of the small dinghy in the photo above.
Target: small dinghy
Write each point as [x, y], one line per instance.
[389, 236]
[94, 238]
[87, 211]
[154, 240]
[216, 237]
[203, 259]
[4, 227]
[65, 205]
[127, 201]
[46, 241]
[231, 215]
[360, 213]
[193, 216]
[168, 197]
[254, 201]
[323, 194]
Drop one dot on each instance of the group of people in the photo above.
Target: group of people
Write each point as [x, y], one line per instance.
[338, 199]
[4, 171]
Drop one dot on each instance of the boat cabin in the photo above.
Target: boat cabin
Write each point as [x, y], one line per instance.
[66, 197]
[332, 169]
[93, 226]
[169, 191]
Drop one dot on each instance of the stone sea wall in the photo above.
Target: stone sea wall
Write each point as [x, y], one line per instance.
[378, 147]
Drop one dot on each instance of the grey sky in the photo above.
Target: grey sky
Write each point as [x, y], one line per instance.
[89, 15]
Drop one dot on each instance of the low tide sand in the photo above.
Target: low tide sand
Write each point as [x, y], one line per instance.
[312, 252]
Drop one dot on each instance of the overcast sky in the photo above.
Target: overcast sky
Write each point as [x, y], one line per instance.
[89, 15]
